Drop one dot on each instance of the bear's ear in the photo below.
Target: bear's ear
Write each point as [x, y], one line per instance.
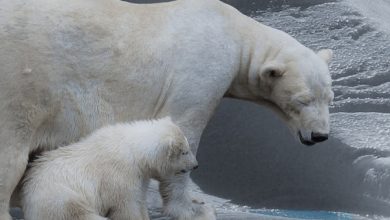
[272, 70]
[326, 55]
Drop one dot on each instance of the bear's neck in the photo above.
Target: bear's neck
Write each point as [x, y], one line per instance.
[259, 44]
[256, 48]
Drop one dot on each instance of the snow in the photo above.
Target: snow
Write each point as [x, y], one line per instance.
[362, 129]
[376, 10]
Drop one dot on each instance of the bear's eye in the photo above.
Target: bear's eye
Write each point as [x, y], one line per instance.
[184, 153]
[303, 102]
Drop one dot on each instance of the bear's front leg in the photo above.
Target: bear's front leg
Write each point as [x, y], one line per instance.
[178, 203]
[13, 161]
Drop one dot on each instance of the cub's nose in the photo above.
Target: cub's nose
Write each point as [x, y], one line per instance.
[195, 167]
[318, 137]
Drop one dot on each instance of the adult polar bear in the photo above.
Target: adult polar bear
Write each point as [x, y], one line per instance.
[70, 66]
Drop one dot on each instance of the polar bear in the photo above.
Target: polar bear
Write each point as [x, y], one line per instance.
[107, 173]
[70, 66]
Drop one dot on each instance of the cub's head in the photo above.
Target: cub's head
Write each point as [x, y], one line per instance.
[296, 84]
[175, 153]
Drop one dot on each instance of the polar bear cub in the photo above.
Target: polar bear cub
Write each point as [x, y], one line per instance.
[106, 175]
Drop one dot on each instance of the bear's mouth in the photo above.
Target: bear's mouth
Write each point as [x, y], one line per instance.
[305, 141]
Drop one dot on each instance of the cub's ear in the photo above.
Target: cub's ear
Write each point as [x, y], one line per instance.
[272, 70]
[326, 55]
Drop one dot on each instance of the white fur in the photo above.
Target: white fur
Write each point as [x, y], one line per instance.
[105, 174]
[70, 66]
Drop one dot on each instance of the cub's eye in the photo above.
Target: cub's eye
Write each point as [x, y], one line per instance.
[184, 153]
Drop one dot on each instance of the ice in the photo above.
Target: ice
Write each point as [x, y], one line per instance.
[362, 130]
[376, 10]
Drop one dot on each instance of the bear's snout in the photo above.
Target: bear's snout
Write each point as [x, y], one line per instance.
[319, 137]
[312, 138]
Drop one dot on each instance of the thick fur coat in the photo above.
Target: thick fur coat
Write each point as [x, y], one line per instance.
[107, 173]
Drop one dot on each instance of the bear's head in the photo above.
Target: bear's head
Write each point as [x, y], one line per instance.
[175, 152]
[296, 84]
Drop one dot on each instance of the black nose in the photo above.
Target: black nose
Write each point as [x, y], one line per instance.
[195, 167]
[318, 137]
